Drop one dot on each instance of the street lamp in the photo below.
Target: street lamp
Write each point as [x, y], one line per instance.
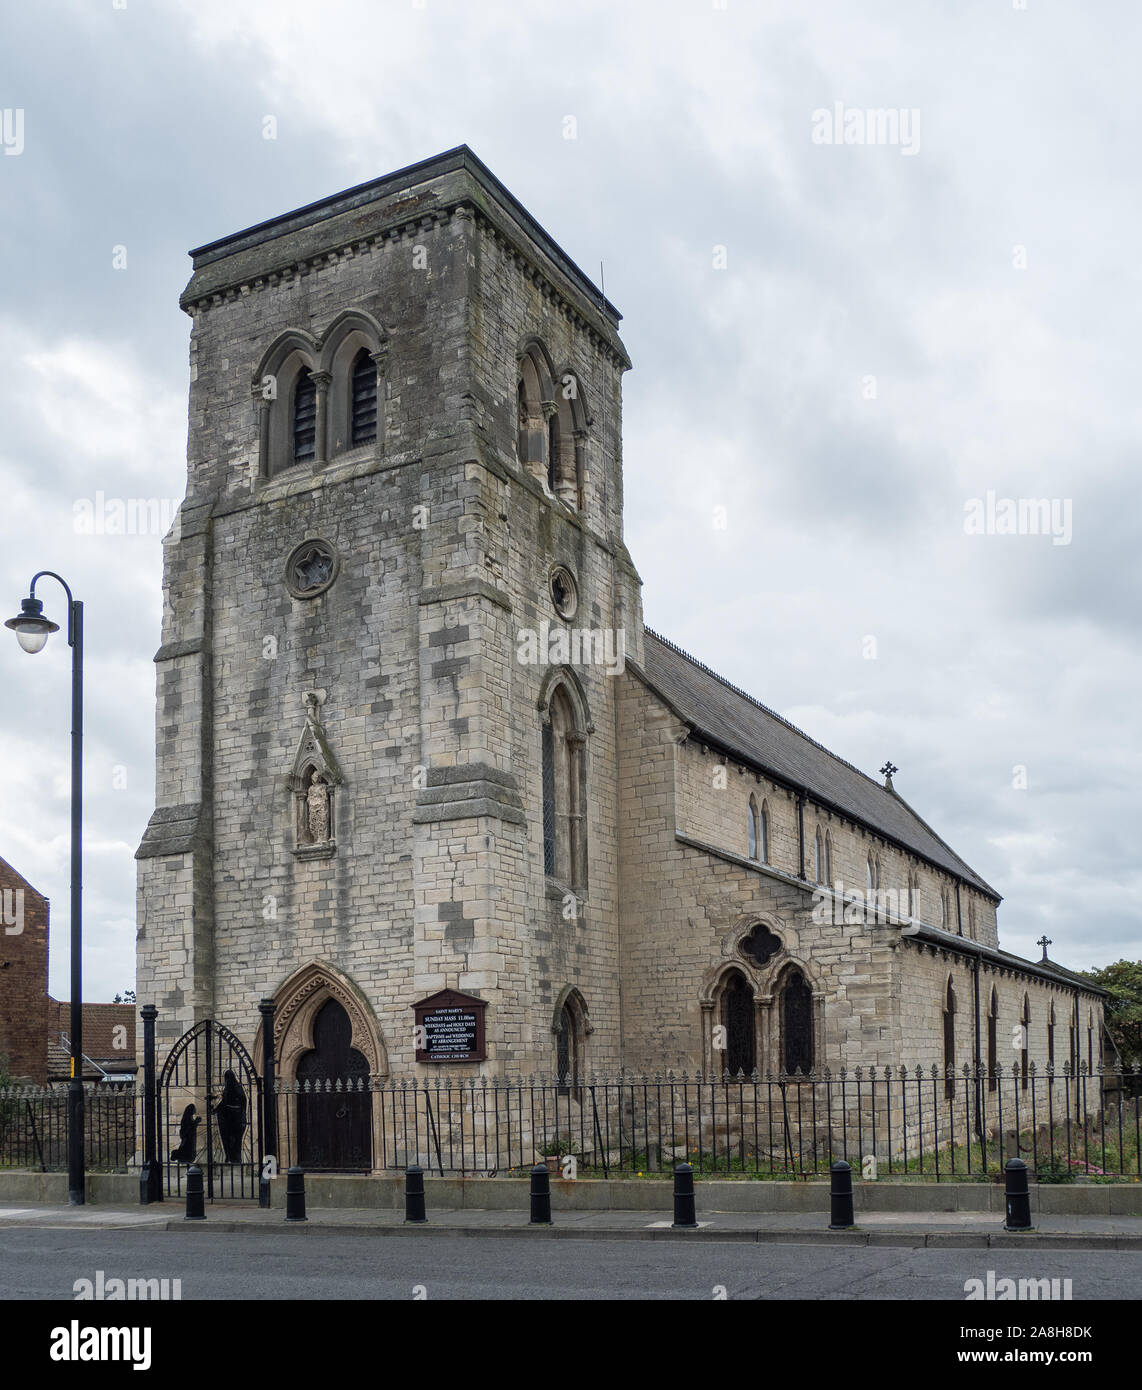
[32, 631]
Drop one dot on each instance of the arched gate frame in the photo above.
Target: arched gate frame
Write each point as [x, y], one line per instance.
[209, 1112]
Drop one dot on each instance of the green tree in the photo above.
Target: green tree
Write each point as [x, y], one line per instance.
[1124, 1007]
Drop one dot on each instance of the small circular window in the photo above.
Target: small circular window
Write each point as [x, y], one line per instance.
[311, 568]
[564, 593]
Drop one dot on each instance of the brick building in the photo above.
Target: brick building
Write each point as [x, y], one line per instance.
[413, 737]
[23, 976]
[108, 1042]
[34, 1027]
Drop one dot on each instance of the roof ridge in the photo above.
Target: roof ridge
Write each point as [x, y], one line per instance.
[939, 838]
[964, 866]
[779, 717]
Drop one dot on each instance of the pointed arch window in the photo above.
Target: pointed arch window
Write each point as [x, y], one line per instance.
[363, 400]
[797, 1024]
[1090, 1042]
[739, 1020]
[754, 831]
[950, 1043]
[1051, 1036]
[564, 793]
[872, 873]
[763, 833]
[1073, 1039]
[828, 858]
[993, 1042]
[1025, 1043]
[570, 1031]
[819, 857]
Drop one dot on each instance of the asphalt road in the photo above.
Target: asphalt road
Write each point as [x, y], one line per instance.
[44, 1263]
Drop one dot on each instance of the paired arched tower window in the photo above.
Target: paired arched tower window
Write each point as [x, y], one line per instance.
[563, 736]
[319, 398]
[552, 423]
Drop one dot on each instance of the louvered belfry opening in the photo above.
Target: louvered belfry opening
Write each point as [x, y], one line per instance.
[364, 400]
[304, 418]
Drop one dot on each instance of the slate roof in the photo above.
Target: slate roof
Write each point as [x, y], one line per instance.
[740, 725]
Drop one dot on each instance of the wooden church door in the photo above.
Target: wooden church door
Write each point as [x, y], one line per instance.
[334, 1127]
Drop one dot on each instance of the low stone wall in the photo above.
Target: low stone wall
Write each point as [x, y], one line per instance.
[511, 1194]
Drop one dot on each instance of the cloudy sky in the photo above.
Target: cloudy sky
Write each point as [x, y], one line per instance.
[840, 345]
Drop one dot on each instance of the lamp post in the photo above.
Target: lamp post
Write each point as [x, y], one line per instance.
[32, 631]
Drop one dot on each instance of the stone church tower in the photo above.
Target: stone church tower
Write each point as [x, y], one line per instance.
[404, 491]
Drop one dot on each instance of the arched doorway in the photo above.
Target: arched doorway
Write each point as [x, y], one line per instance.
[738, 1019]
[334, 1122]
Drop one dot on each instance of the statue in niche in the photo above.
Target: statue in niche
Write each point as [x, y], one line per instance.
[188, 1137]
[230, 1113]
[317, 809]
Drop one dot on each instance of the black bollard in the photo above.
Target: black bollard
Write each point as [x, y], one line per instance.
[841, 1197]
[1018, 1196]
[685, 1212]
[540, 1196]
[414, 1195]
[195, 1195]
[295, 1195]
[149, 1180]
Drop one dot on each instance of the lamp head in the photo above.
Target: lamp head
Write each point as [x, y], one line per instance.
[32, 629]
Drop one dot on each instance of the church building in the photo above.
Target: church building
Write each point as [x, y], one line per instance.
[417, 752]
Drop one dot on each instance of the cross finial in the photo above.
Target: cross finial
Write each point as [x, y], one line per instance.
[887, 770]
[1044, 941]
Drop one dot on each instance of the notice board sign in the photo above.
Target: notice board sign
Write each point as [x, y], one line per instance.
[450, 1027]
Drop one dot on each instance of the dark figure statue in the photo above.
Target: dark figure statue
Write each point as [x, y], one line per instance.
[231, 1115]
[186, 1132]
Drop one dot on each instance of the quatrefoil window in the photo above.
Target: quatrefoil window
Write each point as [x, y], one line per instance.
[761, 945]
[311, 568]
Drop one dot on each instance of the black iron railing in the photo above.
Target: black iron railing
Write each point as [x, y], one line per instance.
[34, 1120]
[885, 1121]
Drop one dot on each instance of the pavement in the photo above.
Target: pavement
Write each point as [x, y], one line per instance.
[946, 1230]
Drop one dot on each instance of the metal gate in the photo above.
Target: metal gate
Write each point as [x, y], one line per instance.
[209, 1104]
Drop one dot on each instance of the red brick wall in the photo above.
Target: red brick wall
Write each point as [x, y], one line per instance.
[23, 976]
